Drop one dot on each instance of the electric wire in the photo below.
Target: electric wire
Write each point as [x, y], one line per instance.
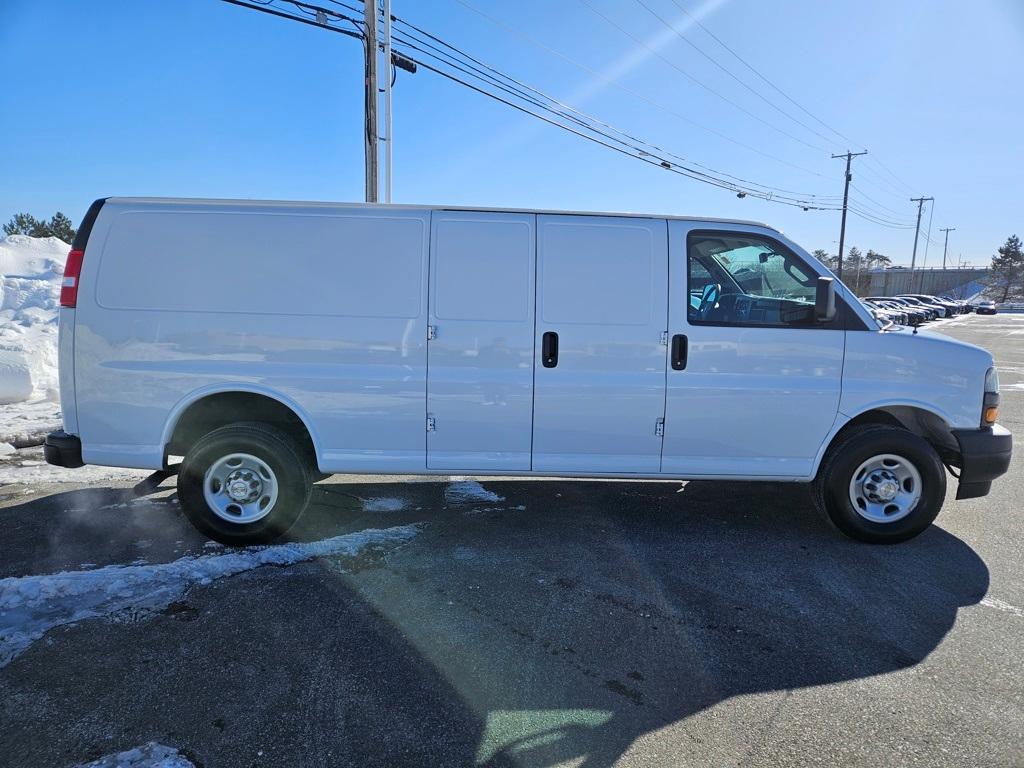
[557, 113]
[516, 31]
[578, 115]
[688, 76]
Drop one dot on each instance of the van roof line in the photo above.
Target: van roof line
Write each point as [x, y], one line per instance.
[406, 206]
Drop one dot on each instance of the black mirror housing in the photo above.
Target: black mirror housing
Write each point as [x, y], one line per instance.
[825, 299]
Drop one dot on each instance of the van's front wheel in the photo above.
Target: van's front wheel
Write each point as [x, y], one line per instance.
[881, 484]
[244, 484]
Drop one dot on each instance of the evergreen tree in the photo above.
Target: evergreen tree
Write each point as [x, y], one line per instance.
[23, 224]
[26, 224]
[60, 227]
[827, 259]
[1006, 274]
[876, 260]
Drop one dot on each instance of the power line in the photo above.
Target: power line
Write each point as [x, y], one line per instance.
[873, 159]
[513, 30]
[616, 147]
[316, 21]
[757, 72]
[693, 79]
[492, 75]
[549, 109]
[714, 61]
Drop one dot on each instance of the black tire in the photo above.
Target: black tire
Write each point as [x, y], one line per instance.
[832, 486]
[271, 445]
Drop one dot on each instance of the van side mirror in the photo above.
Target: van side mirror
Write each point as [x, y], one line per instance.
[825, 300]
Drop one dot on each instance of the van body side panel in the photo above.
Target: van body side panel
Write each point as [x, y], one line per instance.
[924, 370]
[480, 362]
[602, 288]
[751, 401]
[326, 307]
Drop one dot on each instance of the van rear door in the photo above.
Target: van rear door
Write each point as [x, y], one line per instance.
[602, 305]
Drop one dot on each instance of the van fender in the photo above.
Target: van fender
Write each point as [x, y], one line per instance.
[842, 419]
[174, 416]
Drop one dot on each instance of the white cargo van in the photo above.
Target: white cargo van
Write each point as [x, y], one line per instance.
[272, 343]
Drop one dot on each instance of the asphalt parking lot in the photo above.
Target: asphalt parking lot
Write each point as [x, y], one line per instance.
[531, 623]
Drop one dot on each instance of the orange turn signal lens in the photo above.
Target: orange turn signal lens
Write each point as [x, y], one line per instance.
[991, 414]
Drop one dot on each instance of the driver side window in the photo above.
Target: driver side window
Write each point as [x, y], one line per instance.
[739, 279]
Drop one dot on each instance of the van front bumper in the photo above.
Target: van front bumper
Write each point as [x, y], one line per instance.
[984, 456]
[63, 450]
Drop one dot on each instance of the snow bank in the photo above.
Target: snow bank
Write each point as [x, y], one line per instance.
[15, 379]
[31, 605]
[31, 269]
[151, 755]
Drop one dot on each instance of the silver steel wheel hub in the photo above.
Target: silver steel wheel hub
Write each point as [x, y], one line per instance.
[240, 488]
[885, 488]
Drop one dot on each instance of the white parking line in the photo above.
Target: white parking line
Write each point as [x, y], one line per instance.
[999, 605]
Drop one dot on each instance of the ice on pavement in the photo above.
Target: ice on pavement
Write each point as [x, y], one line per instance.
[31, 269]
[151, 755]
[467, 492]
[31, 605]
[27, 467]
[383, 504]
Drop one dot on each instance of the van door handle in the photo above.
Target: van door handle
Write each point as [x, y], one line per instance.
[549, 349]
[680, 347]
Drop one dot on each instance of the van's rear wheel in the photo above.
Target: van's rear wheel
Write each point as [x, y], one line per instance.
[881, 484]
[244, 484]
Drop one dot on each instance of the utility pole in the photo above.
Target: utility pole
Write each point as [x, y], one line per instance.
[917, 230]
[945, 247]
[386, 138]
[370, 109]
[846, 194]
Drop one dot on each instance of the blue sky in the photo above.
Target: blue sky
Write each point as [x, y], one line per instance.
[200, 98]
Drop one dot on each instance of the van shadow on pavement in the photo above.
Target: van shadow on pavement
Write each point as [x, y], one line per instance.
[568, 628]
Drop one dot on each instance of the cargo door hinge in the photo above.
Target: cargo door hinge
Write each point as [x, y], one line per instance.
[659, 427]
[431, 333]
[430, 423]
[664, 338]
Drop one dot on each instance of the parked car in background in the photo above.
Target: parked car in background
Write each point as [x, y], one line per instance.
[269, 344]
[916, 315]
[985, 308]
[940, 309]
[964, 306]
[932, 311]
[887, 311]
[951, 307]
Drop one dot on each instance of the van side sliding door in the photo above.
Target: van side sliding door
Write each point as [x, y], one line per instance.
[602, 307]
[480, 349]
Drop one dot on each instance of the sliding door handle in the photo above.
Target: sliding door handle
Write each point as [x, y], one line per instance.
[549, 349]
[680, 346]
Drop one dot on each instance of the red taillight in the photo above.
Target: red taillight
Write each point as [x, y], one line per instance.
[72, 272]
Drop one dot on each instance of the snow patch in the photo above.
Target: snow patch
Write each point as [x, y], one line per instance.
[151, 755]
[31, 605]
[28, 423]
[26, 467]
[468, 491]
[383, 505]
